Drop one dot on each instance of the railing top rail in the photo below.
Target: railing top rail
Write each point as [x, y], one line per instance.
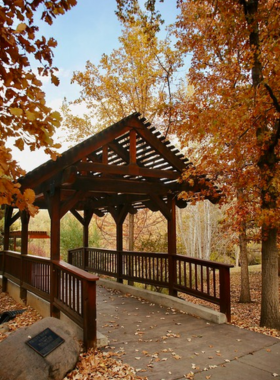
[213, 264]
[26, 257]
[143, 253]
[121, 252]
[76, 249]
[11, 253]
[75, 271]
[100, 249]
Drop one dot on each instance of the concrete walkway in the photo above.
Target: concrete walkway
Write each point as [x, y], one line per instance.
[164, 343]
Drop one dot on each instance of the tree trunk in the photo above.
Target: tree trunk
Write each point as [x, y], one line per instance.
[270, 316]
[270, 291]
[237, 255]
[183, 234]
[207, 230]
[245, 296]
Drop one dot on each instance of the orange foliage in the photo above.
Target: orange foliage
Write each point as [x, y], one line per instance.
[23, 111]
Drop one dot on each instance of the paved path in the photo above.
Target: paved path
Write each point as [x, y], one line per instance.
[167, 344]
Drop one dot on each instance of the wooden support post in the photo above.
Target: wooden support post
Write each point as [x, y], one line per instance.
[119, 216]
[89, 307]
[8, 216]
[131, 245]
[87, 218]
[225, 292]
[24, 251]
[55, 225]
[119, 227]
[172, 244]
[24, 232]
[55, 247]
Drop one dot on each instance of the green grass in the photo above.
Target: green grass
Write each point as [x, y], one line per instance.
[252, 268]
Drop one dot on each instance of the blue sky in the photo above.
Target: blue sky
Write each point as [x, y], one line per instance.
[90, 29]
[84, 33]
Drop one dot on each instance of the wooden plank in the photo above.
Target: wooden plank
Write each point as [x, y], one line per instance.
[75, 154]
[128, 170]
[70, 203]
[78, 216]
[161, 149]
[113, 186]
[132, 147]
[163, 208]
[121, 152]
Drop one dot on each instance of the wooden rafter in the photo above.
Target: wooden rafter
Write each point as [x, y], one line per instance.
[127, 164]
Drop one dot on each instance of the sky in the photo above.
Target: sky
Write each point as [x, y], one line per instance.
[87, 31]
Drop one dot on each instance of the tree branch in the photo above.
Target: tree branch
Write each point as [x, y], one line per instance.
[273, 97]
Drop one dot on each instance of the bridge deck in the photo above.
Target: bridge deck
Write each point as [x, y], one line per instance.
[166, 344]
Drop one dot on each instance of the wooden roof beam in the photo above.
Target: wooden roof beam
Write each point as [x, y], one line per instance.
[161, 149]
[133, 170]
[163, 208]
[111, 186]
[70, 203]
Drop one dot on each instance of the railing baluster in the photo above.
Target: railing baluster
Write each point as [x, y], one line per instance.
[208, 280]
[214, 281]
[153, 268]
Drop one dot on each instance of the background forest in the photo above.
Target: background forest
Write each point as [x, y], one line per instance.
[202, 232]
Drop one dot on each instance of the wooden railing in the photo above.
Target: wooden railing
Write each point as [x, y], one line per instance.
[204, 279]
[67, 288]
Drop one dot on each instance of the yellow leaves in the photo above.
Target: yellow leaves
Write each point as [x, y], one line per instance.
[19, 144]
[55, 80]
[21, 27]
[56, 115]
[29, 195]
[29, 198]
[16, 111]
[31, 116]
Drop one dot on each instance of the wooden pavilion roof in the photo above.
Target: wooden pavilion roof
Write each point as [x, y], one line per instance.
[129, 163]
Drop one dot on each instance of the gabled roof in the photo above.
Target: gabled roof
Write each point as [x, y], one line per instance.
[129, 163]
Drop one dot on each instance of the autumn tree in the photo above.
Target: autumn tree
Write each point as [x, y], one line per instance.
[235, 110]
[24, 114]
[139, 76]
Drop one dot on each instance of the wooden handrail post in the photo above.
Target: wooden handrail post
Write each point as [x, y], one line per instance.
[24, 251]
[4, 279]
[225, 292]
[54, 289]
[119, 266]
[171, 227]
[70, 257]
[89, 310]
[119, 252]
[85, 258]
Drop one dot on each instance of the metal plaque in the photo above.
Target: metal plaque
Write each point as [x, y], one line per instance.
[45, 342]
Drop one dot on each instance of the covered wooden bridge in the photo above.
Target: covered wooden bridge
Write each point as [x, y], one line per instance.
[126, 167]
